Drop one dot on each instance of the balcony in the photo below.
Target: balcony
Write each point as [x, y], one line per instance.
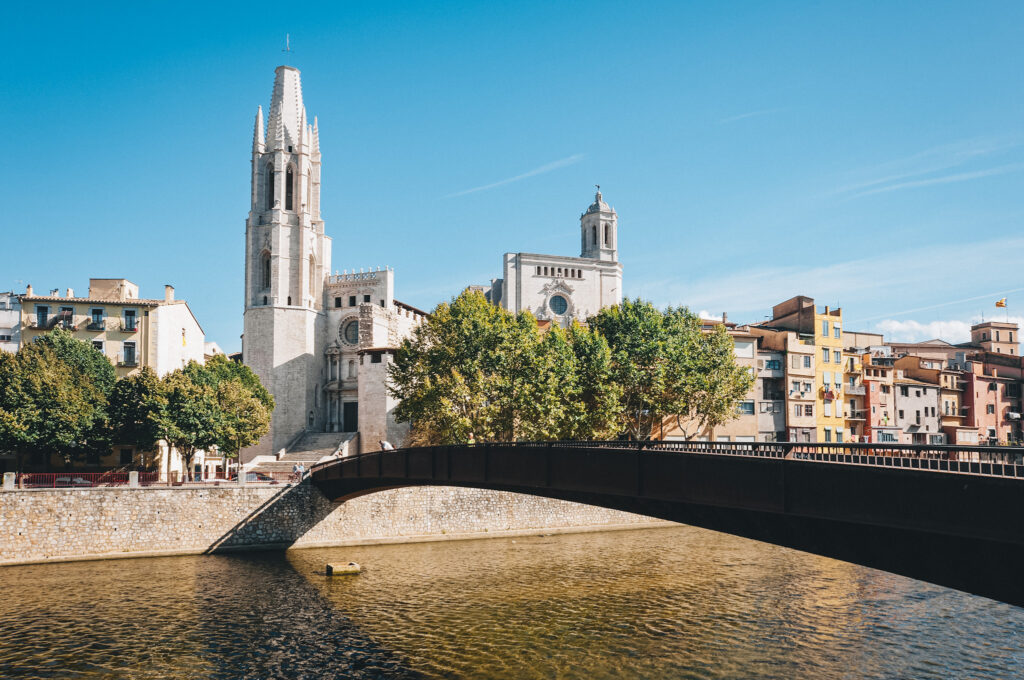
[774, 396]
[129, 362]
[856, 414]
[97, 325]
[854, 389]
[129, 325]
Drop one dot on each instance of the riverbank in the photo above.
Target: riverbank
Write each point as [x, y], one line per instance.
[62, 525]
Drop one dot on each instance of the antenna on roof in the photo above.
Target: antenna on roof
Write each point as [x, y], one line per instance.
[288, 45]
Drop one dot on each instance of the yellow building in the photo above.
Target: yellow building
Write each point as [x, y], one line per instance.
[130, 331]
[831, 425]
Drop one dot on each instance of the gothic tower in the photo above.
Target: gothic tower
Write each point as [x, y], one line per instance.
[286, 258]
[599, 228]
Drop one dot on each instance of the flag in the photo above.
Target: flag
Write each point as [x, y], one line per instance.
[1001, 303]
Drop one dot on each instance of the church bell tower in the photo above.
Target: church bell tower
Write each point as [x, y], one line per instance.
[286, 258]
[599, 231]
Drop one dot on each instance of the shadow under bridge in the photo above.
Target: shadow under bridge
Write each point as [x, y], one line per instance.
[943, 516]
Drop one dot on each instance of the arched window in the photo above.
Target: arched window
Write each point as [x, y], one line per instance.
[264, 299]
[607, 234]
[270, 186]
[538, 271]
[289, 189]
[265, 270]
[289, 300]
[312, 278]
[593, 235]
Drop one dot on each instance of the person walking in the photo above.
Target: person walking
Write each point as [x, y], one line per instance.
[472, 440]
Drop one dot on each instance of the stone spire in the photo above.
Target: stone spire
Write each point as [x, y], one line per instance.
[286, 109]
[258, 143]
[316, 137]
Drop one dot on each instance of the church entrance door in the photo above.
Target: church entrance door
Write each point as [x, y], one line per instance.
[350, 416]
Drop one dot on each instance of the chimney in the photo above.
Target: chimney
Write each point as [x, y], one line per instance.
[28, 290]
[71, 293]
[168, 293]
[55, 292]
[725, 318]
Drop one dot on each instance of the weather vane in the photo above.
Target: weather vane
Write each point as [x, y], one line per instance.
[287, 43]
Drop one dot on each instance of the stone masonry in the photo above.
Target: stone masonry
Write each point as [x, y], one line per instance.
[39, 525]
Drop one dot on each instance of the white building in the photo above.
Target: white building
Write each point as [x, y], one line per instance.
[561, 288]
[10, 322]
[319, 343]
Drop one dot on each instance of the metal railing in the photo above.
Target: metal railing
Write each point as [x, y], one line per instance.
[1001, 461]
[78, 480]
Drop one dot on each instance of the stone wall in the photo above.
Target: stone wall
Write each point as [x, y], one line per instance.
[39, 525]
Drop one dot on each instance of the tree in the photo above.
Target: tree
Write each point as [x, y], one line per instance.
[189, 417]
[47, 406]
[244, 403]
[473, 367]
[666, 367]
[136, 404]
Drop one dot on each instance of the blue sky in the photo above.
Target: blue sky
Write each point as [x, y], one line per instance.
[870, 155]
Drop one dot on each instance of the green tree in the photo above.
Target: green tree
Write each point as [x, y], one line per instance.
[136, 404]
[473, 367]
[189, 418]
[46, 406]
[245, 404]
[666, 367]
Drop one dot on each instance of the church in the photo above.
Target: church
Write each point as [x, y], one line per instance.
[320, 342]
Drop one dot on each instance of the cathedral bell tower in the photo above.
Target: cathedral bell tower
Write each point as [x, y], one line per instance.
[286, 258]
[599, 231]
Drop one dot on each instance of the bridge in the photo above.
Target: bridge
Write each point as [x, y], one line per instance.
[951, 516]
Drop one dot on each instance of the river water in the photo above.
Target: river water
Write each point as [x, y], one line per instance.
[676, 602]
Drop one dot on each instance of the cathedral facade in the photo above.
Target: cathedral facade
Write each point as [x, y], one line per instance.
[559, 288]
[319, 342]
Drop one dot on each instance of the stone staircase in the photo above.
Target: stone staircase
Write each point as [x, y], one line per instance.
[308, 450]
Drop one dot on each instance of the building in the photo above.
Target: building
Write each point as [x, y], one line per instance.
[947, 376]
[799, 367]
[771, 395]
[878, 374]
[10, 322]
[992, 397]
[917, 411]
[561, 288]
[320, 343]
[996, 336]
[132, 332]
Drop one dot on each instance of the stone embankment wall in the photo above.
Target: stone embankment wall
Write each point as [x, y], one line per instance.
[38, 525]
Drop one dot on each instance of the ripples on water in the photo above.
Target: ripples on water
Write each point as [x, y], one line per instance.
[663, 603]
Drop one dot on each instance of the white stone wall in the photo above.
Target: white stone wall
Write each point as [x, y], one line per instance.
[10, 322]
[62, 524]
[587, 284]
[167, 323]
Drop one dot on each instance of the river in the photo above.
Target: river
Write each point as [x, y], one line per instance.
[677, 602]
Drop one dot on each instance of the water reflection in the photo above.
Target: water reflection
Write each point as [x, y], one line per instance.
[664, 603]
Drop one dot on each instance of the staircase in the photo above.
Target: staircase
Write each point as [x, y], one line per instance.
[312, 448]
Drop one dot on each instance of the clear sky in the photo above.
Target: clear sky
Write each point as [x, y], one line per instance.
[870, 155]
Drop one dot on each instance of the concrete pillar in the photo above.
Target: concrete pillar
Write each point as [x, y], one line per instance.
[133, 479]
[242, 474]
[9, 481]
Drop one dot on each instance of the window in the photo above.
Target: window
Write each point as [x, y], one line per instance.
[270, 186]
[350, 332]
[807, 387]
[351, 300]
[825, 354]
[128, 354]
[826, 378]
[593, 235]
[997, 336]
[836, 332]
[901, 414]
[796, 386]
[773, 365]
[808, 409]
[990, 409]
[807, 361]
[837, 356]
[828, 409]
[607, 235]
[375, 358]
[886, 389]
[888, 437]
[746, 408]
[824, 328]
[289, 188]
[828, 434]
[97, 317]
[839, 436]
[337, 302]
[558, 304]
[366, 299]
[798, 410]
[130, 321]
[97, 345]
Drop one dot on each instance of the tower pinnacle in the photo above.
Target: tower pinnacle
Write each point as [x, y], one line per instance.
[258, 142]
[285, 109]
